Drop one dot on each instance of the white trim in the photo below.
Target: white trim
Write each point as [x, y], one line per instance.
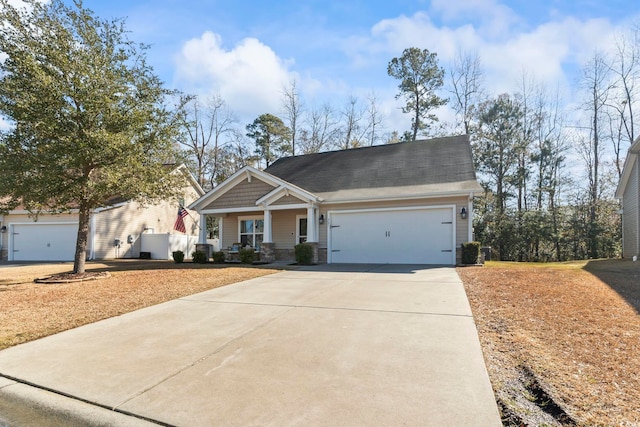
[203, 228]
[229, 184]
[239, 176]
[220, 231]
[114, 206]
[403, 208]
[285, 190]
[632, 156]
[231, 210]
[298, 218]
[396, 198]
[253, 209]
[312, 236]
[26, 212]
[253, 218]
[470, 218]
[267, 236]
[92, 236]
[287, 207]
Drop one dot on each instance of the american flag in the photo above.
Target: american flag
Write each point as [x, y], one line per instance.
[179, 224]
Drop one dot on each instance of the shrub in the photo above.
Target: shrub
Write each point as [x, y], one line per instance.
[304, 254]
[246, 255]
[178, 256]
[218, 257]
[470, 252]
[199, 257]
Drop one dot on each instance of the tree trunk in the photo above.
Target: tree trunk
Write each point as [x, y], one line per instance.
[84, 218]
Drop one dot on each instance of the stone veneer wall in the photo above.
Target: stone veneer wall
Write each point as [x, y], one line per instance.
[285, 255]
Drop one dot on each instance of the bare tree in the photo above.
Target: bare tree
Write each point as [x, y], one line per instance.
[467, 79]
[597, 88]
[205, 127]
[293, 110]
[625, 69]
[374, 119]
[351, 131]
[322, 130]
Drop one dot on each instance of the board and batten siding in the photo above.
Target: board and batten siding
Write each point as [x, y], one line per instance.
[242, 195]
[631, 214]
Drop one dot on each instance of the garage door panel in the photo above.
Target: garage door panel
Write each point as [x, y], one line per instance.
[411, 236]
[44, 242]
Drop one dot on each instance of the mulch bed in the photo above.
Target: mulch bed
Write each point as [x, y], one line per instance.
[73, 277]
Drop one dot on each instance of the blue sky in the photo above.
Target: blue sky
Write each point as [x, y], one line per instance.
[246, 51]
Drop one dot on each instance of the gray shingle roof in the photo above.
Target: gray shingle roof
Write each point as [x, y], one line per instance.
[437, 165]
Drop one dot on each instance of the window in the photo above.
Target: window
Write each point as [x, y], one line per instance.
[301, 229]
[251, 232]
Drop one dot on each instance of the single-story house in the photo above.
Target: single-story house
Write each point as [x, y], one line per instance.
[628, 192]
[115, 230]
[409, 203]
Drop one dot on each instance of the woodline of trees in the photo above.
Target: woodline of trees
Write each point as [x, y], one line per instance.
[548, 173]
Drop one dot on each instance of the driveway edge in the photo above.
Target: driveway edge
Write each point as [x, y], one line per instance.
[23, 404]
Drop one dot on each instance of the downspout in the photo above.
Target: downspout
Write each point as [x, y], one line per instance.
[2, 236]
[470, 218]
[637, 208]
[92, 236]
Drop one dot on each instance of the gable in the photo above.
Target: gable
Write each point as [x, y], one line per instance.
[243, 194]
[287, 200]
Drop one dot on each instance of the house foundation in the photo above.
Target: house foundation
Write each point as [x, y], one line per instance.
[268, 252]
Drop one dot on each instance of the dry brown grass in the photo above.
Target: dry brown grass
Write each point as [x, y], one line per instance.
[29, 311]
[573, 329]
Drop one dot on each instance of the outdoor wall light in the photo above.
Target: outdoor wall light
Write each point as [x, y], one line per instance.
[463, 213]
[3, 229]
[321, 219]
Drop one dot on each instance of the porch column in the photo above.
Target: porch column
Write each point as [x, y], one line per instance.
[203, 229]
[267, 238]
[312, 235]
[268, 248]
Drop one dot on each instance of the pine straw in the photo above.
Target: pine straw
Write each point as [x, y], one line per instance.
[576, 330]
[29, 311]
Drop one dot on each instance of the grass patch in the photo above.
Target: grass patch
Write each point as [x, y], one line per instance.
[29, 311]
[574, 327]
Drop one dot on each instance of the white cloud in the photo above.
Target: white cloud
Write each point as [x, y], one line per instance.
[550, 52]
[249, 77]
[493, 18]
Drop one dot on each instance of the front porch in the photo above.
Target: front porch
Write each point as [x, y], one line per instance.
[271, 233]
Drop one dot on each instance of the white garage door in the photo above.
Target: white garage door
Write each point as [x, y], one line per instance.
[43, 242]
[407, 236]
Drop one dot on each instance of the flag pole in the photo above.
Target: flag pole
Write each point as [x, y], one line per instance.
[192, 218]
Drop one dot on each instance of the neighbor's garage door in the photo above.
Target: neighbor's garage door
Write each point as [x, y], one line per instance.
[43, 242]
[407, 236]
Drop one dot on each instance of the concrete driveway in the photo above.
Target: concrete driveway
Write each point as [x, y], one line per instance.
[328, 345]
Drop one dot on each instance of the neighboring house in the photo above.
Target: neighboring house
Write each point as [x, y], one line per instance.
[115, 231]
[407, 203]
[628, 192]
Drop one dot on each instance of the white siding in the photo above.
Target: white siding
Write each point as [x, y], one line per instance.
[631, 214]
[132, 219]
